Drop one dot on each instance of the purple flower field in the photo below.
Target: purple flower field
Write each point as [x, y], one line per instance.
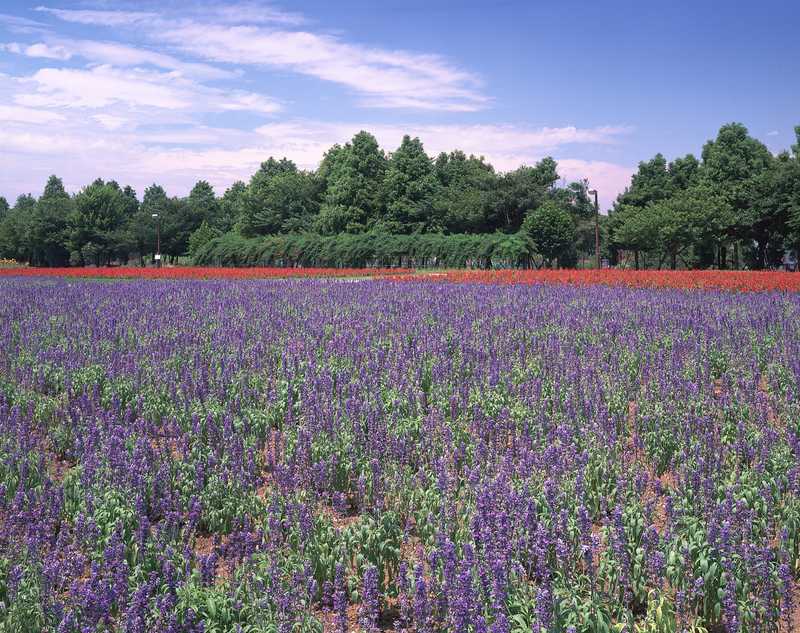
[309, 455]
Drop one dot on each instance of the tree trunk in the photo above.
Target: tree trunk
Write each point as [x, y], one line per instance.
[636, 260]
[674, 262]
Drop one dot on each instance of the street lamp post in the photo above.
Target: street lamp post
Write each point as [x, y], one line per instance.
[158, 240]
[596, 227]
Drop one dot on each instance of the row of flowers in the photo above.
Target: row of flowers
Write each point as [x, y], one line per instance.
[711, 279]
[742, 281]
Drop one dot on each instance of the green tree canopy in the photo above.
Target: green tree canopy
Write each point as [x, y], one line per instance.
[232, 205]
[409, 187]
[98, 223]
[278, 196]
[15, 229]
[520, 190]
[463, 198]
[353, 175]
[49, 225]
[551, 229]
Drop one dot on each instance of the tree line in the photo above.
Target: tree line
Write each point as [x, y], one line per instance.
[737, 206]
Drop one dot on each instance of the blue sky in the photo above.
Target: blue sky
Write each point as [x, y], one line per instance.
[172, 92]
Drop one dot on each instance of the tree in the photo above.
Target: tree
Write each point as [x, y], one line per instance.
[278, 195]
[4, 208]
[409, 187]
[15, 230]
[202, 236]
[684, 173]
[202, 205]
[520, 190]
[48, 226]
[232, 206]
[353, 175]
[793, 194]
[767, 216]
[654, 182]
[551, 229]
[731, 165]
[97, 223]
[463, 197]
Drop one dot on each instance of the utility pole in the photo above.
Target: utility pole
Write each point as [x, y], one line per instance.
[158, 240]
[596, 227]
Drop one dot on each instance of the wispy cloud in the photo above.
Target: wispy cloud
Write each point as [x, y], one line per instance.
[254, 13]
[100, 18]
[19, 114]
[773, 133]
[103, 86]
[46, 51]
[116, 54]
[18, 24]
[385, 79]
[254, 36]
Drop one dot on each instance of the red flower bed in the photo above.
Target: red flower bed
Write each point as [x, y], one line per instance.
[199, 272]
[719, 279]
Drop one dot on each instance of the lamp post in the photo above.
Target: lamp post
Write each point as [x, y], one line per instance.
[596, 227]
[158, 240]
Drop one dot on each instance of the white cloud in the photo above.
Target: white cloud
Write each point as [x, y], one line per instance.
[383, 78]
[109, 121]
[19, 24]
[100, 87]
[104, 86]
[254, 35]
[101, 18]
[773, 133]
[48, 52]
[505, 146]
[610, 179]
[254, 13]
[28, 115]
[116, 54]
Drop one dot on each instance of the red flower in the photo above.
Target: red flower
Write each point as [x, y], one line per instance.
[714, 279]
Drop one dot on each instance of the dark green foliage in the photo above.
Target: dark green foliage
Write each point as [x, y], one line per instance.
[738, 204]
[48, 229]
[232, 205]
[202, 236]
[278, 197]
[520, 191]
[354, 250]
[408, 190]
[464, 193]
[15, 229]
[353, 175]
[97, 225]
[552, 231]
